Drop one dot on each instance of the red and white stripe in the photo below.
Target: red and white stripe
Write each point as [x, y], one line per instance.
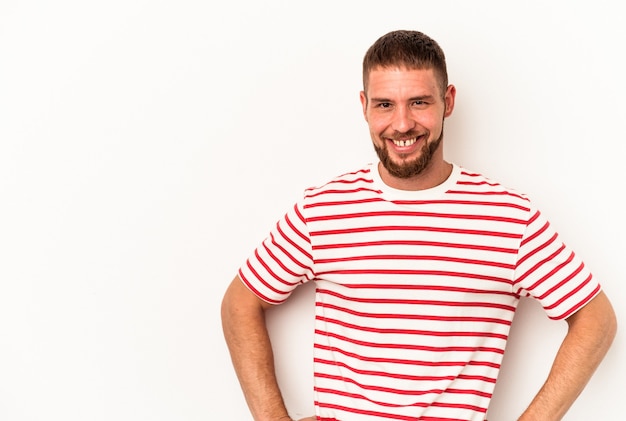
[416, 291]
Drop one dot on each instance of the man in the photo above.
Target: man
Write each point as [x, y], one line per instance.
[419, 265]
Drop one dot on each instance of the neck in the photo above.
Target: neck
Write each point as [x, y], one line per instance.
[436, 173]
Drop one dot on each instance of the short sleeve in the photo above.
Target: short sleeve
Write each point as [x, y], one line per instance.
[282, 261]
[551, 272]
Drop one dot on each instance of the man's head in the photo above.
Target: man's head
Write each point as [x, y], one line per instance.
[405, 100]
[411, 50]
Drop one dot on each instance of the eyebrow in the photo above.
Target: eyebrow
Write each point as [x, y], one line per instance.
[415, 98]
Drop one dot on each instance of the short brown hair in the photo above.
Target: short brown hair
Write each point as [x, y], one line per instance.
[409, 49]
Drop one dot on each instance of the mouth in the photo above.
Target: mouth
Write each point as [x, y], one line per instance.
[404, 143]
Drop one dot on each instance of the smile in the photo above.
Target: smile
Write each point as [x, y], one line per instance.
[404, 143]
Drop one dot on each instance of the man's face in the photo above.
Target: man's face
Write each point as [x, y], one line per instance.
[404, 110]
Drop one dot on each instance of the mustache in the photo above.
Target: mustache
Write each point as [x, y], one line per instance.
[406, 135]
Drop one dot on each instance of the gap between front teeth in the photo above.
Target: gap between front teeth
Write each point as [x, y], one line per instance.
[408, 142]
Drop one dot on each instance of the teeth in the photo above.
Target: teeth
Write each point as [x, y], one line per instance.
[407, 142]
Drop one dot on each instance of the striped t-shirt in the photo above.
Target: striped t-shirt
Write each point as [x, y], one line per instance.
[415, 290]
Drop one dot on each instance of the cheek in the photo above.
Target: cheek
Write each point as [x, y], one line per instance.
[432, 122]
[377, 124]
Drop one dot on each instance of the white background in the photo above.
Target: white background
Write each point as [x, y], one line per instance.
[147, 146]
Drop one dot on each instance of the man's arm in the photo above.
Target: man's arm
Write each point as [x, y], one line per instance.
[590, 334]
[243, 321]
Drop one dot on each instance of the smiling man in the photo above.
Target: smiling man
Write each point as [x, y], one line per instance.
[419, 265]
[405, 109]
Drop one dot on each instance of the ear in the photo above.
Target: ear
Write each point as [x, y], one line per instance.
[449, 100]
[363, 98]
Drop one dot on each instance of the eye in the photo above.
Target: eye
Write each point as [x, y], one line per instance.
[384, 105]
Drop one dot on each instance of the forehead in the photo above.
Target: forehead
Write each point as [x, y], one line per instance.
[400, 81]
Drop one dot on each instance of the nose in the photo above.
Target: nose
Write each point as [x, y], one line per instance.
[402, 120]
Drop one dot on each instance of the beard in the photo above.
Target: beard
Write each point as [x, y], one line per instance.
[408, 169]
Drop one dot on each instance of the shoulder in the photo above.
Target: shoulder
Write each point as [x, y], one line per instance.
[349, 182]
[476, 184]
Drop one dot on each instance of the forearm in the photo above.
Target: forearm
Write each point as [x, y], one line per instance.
[588, 339]
[251, 353]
